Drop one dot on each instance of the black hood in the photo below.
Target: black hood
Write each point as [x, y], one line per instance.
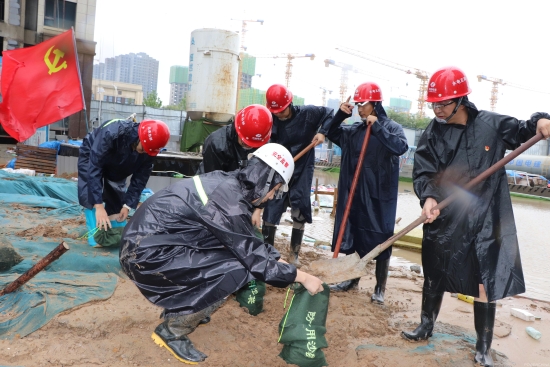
[253, 179]
[380, 111]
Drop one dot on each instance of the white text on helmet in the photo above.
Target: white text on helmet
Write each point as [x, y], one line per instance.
[458, 81]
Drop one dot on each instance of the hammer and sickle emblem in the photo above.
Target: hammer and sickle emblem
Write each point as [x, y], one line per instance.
[53, 67]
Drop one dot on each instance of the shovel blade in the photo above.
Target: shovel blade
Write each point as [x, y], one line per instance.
[339, 269]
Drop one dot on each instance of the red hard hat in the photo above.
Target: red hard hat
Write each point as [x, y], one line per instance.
[447, 83]
[153, 135]
[253, 125]
[278, 97]
[368, 92]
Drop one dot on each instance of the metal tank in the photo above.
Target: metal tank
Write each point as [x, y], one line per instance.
[537, 164]
[213, 74]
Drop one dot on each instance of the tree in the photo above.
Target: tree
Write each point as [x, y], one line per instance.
[410, 121]
[152, 100]
[182, 106]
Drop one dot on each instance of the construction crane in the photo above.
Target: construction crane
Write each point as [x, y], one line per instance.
[420, 74]
[289, 58]
[244, 30]
[346, 68]
[494, 89]
[325, 90]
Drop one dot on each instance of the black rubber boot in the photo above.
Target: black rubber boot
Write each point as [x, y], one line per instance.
[345, 285]
[269, 234]
[382, 267]
[484, 321]
[180, 346]
[431, 304]
[295, 245]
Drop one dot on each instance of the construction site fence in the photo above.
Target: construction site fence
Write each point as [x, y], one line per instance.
[101, 111]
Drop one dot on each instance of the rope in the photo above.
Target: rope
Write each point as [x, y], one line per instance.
[286, 315]
[89, 234]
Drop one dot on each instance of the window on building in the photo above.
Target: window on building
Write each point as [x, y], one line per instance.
[60, 14]
[31, 14]
[2, 10]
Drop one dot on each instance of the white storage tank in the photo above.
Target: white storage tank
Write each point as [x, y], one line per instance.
[213, 74]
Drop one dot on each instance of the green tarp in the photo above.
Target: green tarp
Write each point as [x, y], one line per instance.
[36, 213]
[194, 133]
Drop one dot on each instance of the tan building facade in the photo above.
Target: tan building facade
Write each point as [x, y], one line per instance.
[117, 92]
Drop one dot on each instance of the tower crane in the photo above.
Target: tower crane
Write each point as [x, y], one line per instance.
[244, 30]
[494, 89]
[289, 58]
[346, 68]
[325, 90]
[420, 74]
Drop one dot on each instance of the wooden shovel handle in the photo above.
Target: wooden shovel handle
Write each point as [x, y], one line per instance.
[352, 191]
[304, 151]
[29, 274]
[488, 172]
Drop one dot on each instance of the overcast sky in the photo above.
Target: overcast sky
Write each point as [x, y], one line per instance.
[502, 39]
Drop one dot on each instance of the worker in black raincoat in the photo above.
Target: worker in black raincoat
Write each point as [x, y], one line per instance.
[227, 148]
[192, 244]
[471, 246]
[295, 127]
[372, 213]
[108, 156]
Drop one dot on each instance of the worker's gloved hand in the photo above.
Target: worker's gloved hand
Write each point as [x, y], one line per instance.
[257, 218]
[123, 214]
[101, 217]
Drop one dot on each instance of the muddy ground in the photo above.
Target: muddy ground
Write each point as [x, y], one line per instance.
[117, 331]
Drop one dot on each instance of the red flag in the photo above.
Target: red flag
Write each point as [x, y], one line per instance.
[40, 85]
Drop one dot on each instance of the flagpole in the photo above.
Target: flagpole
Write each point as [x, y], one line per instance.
[80, 78]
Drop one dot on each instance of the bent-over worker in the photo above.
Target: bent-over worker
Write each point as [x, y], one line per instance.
[192, 244]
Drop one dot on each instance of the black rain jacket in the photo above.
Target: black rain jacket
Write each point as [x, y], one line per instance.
[187, 248]
[474, 239]
[108, 153]
[222, 151]
[372, 215]
[295, 134]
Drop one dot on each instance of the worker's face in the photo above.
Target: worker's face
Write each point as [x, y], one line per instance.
[443, 109]
[270, 195]
[139, 148]
[365, 109]
[243, 144]
[284, 114]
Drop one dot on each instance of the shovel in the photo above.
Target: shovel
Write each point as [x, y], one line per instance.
[352, 266]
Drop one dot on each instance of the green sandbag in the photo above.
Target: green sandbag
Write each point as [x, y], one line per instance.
[251, 296]
[303, 327]
[110, 237]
